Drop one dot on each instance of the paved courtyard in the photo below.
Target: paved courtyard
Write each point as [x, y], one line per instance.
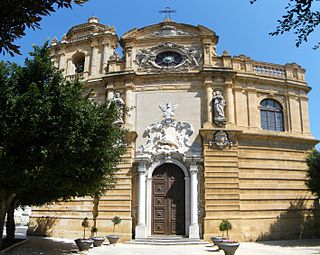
[53, 246]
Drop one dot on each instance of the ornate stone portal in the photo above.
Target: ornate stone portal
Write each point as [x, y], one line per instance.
[168, 141]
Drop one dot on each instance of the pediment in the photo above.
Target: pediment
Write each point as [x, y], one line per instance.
[165, 30]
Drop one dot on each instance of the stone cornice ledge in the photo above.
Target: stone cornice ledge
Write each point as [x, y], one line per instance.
[279, 135]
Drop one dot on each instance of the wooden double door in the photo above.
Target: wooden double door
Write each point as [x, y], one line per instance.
[168, 200]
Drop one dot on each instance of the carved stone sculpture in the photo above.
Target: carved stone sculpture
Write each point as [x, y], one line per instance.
[218, 109]
[221, 140]
[167, 136]
[119, 103]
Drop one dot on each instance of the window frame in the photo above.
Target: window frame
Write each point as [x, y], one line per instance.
[272, 111]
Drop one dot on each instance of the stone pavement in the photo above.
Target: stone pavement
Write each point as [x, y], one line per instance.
[53, 246]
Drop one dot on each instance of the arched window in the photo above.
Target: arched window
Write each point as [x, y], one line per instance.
[271, 115]
[78, 61]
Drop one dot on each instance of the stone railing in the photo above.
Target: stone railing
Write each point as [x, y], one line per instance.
[80, 76]
[243, 64]
[269, 70]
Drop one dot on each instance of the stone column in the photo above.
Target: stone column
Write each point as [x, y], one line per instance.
[62, 63]
[128, 118]
[254, 112]
[129, 57]
[230, 104]
[106, 55]
[295, 117]
[94, 60]
[141, 231]
[209, 91]
[207, 52]
[70, 67]
[194, 226]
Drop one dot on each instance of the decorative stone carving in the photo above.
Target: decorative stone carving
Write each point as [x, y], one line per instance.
[119, 103]
[169, 31]
[218, 108]
[167, 136]
[221, 140]
[145, 58]
[168, 110]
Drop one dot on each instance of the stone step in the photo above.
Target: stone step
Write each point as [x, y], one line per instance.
[167, 240]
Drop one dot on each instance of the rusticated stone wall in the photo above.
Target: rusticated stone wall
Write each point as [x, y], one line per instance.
[258, 185]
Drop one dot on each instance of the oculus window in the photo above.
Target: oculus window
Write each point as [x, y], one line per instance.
[168, 58]
[271, 114]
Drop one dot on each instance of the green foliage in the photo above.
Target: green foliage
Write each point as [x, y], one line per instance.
[54, 143]
[302, 18]
[313, 173]
[225, 225]
[17, 15]
[116, 220]
[85, 224]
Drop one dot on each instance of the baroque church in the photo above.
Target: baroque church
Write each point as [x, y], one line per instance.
[211, 137]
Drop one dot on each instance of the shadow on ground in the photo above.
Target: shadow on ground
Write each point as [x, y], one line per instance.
[41, 246]
[298, 222]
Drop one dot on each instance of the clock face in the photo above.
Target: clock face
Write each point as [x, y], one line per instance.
[168, 58]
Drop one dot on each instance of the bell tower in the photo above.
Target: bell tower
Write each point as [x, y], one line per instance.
[85, 50]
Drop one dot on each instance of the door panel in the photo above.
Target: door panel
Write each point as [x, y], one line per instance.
[168, 201]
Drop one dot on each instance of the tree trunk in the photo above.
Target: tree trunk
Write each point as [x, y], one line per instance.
[5, 201]
[10, 226]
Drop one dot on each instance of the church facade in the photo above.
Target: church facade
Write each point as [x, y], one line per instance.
[211, 137]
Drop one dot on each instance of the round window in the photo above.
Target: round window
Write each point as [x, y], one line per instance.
[168, 58]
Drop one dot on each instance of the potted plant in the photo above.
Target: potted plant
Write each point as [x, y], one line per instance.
[114, 238]
[83, 243]
[97, 240]
[228, 246]
[224, 226]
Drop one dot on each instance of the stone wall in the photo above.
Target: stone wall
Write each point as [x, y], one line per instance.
[258, 185]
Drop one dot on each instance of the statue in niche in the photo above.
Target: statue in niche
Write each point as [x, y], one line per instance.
[119, 103]
[218, 108]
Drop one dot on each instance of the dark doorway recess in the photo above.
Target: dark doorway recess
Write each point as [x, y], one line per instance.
[168, 200]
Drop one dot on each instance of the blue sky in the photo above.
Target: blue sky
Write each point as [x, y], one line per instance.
[242, 28]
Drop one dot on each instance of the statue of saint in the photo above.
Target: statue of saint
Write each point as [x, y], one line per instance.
[119, 103]
[218, 107]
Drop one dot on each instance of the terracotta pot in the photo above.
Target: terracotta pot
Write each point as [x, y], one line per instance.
[113, 238]
[83, 244]
[98, 241]
[229, 248]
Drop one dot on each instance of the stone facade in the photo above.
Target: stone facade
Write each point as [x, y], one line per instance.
[237, 128]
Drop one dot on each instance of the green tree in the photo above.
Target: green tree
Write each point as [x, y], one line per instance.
[17, 15]
[302, 17]
[313, 173]
[55, 143]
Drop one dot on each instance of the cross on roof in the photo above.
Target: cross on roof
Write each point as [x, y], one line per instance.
[168, 11]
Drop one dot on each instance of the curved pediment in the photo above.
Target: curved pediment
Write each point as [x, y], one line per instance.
[168, 29]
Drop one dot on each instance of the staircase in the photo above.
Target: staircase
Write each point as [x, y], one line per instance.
[167, 240]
